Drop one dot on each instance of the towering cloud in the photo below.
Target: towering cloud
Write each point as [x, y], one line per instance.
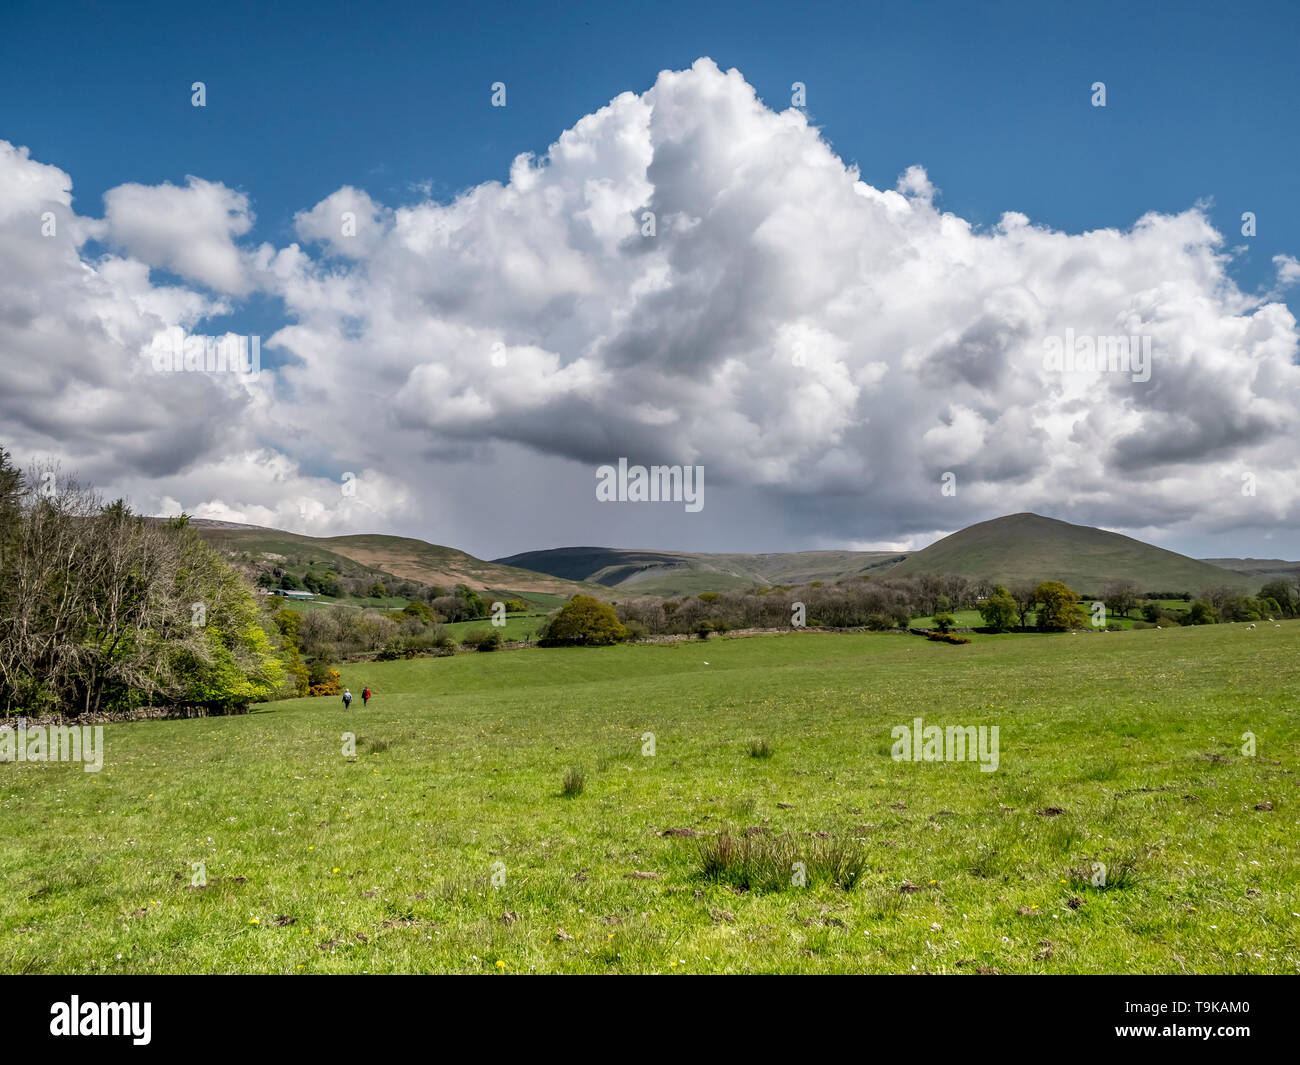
[687, 277]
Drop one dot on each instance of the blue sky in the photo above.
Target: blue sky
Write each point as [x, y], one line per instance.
[992, 98]
[925, 344]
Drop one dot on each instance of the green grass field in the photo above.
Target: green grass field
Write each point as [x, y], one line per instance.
[445, 845]
[324, 602]
[972, 619]
[963, 619]
[517, 626]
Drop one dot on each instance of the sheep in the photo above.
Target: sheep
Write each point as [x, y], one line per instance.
[1250, 626]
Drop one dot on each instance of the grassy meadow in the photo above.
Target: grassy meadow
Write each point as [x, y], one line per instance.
[447, 843]
[972, 619]
[517, 626]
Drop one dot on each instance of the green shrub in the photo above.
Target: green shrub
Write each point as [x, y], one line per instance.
[483, 639]
[323, 680]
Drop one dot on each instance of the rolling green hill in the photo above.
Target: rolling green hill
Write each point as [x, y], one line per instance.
[1018, 547]
[379, 556]
[684, 572]
[1029, 547]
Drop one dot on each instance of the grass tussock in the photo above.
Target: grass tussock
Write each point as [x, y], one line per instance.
[574, 781]
[1119, 875]
[760, 748]
[761, 862]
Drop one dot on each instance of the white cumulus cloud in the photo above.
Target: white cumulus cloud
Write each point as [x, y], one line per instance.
[685, 276]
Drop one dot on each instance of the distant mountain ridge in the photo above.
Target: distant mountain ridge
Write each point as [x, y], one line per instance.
[1013, 548]
[1260, 570]
[643, 572]
[1010, 549]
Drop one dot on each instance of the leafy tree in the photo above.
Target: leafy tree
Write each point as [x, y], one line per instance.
[323, 584]
[944, 622]
[377, 590]
[1241, 608]
[1058, 608]
[475, 607]
[239, 661]
[419, 610]
[999, 610]
[295, 669]
[584, 620]
[103, 610]
[1202, 613]
[1280, 592]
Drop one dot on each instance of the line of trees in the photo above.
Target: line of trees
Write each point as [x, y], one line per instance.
[326, 582]
[102, 610]
[883, 603]
[1055, 607]
[861, 602]
[1276, 599]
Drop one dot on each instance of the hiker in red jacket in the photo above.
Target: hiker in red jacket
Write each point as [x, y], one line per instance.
[365, 697]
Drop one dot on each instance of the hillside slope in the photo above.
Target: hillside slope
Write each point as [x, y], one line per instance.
[397, 556]
[1029, 547]
[641, 572]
